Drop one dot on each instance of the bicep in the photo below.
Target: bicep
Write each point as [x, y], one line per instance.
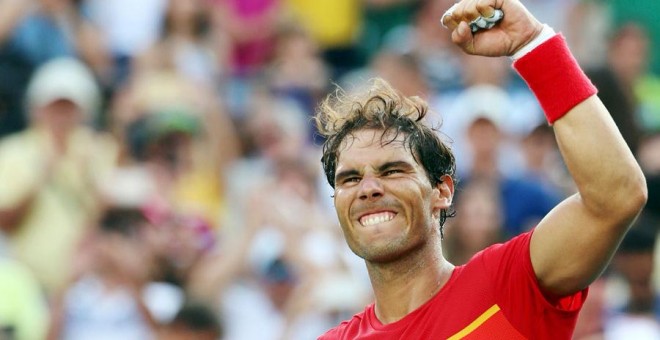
[570, 247]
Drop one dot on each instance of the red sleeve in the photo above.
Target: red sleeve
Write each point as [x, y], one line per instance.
[517, 291]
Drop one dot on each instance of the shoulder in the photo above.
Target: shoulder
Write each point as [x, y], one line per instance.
[508, 267]
[18, 147]
[512, 252]
[347, 329]
[496, 267]
[16, 139]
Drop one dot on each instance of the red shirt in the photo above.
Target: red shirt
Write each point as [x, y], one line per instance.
[494, 296]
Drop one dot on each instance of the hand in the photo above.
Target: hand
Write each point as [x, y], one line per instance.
[515, 30]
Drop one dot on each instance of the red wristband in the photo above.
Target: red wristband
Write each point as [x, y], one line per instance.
[555, 78]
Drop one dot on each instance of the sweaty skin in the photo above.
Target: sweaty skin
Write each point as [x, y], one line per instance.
[384, 184]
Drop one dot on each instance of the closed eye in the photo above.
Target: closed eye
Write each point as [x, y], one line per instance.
[392, 172]
[354, 179]
[347, 176]
[395, 167]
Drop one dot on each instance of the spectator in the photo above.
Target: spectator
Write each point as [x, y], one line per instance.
[524, 200]
[639, 315]
[128, 28]
[297, 70]
[439, 59]
[481, 222]
[627, 60]
[335, 25]
[543, 163]
[177, 129]
[250, 26]
[187, 45]
[643, 13]
[104, 299]
[403, 70]
[283, 247]
[194, 321]
[23, 311]
[381, 17]
[33, 32]
[52, 172]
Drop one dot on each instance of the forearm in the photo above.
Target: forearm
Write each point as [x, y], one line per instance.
[56, 323]
[92, 50]
[213, 273]
[16, 207]
[608, 178]
[592, 146]
[573, 244]
[12, 216]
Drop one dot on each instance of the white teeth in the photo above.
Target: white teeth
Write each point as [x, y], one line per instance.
[373, 219]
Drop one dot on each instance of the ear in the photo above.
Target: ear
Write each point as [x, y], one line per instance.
[443, 193]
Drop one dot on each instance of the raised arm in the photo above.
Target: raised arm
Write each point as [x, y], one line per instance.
[573, 244]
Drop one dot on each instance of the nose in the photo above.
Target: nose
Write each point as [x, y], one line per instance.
[370, 188]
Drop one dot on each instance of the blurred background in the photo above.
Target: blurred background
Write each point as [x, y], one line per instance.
[160, 173]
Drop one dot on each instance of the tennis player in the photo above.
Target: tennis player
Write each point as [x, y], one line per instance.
[394, 180]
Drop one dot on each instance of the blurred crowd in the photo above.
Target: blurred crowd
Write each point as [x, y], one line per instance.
[160, 173]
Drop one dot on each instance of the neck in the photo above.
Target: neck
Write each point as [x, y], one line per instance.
[401, 287]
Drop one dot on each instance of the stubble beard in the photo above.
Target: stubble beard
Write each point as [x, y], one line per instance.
[396, 250]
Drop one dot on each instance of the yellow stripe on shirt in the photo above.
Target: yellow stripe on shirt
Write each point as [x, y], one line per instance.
[476, 323]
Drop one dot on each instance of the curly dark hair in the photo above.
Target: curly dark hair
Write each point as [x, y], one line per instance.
[381, 107]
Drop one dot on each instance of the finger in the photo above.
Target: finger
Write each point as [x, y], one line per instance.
[448, 20]
[466, 11]
[462, 35]
[485, 8]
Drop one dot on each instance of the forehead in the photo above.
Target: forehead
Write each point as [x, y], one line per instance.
[365, 147]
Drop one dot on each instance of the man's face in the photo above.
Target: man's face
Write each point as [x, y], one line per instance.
[61, 116]
[386, 205]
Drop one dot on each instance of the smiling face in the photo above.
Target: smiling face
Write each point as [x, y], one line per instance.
[386, 204]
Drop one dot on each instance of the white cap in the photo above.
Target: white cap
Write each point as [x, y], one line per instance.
[129, 187]
[64, 78]
[484, 101]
